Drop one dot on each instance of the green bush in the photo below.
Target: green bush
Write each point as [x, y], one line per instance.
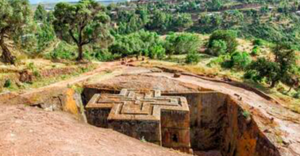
[251, 75]
[255, 51]
[219, 60]
[7, 83]
[182, 43]
[297, 95]
[64, 51]
[157, 52]
[104, 55]
[240, 60]
[258, 42]
[237, 60]
[36, 73]
[192, 58]
[220, 36]
[137, 43]
[218, 47]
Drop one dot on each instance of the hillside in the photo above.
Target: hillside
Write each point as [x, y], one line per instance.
[173, 77]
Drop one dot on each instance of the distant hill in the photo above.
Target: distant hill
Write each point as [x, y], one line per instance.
[49, 1]
[56, 1]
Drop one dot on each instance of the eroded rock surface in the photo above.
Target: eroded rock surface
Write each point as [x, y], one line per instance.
[31, 131]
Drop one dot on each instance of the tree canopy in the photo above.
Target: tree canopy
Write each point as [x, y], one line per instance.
[40, 13]
[14, 15]
[222, 41]
[83, 23]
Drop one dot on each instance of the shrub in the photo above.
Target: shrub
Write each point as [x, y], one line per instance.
[36, 73]
[63, 51]
[7, 83]
[229, 37]
[137, 43]
[219, 60]
[104, 55]
[157, 52]
[255, 51]
[182, 43]
[218, 47]
[192, 57]
[257, 42]
[31, 66]
[297, 95]
[241, 60]
[238, 60]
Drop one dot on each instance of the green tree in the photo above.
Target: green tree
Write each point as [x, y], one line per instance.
[40, 13]
[263, 68]
[214, 4]
[82, 23]
[14, 15]
[182, 43]
[218, 47]
[240, 60]
[138, 43]
[285, 57]
[182, 21]
[157, 52]
[229, 37]
[45, 34]
[159, 20]
[281, 69]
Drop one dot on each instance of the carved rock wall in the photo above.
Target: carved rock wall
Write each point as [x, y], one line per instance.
[217, 123]
[163, 120]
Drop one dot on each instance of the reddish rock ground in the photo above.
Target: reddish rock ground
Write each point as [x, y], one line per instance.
[27, 131]
[33, 132]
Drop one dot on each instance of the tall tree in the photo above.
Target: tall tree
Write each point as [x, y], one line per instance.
[13, 16]
[83, 23]
[278, 70]
[285, 57]
[40, 13]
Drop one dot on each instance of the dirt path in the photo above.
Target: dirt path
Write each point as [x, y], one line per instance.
[81, 78]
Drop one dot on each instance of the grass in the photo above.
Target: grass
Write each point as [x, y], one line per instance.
[279, 92]
[14, 85]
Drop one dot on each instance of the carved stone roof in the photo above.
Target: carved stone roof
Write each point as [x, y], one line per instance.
[131, 105]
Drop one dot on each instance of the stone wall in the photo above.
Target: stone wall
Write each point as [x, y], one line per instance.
[207, 112]
[217, 123]
[143, 130]
[175, 129]
[242, 137]
[164, 120]
[98, 117]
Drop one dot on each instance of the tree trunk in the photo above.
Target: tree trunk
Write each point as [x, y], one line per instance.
[7, 57]
[273, 83]
[80, 53]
